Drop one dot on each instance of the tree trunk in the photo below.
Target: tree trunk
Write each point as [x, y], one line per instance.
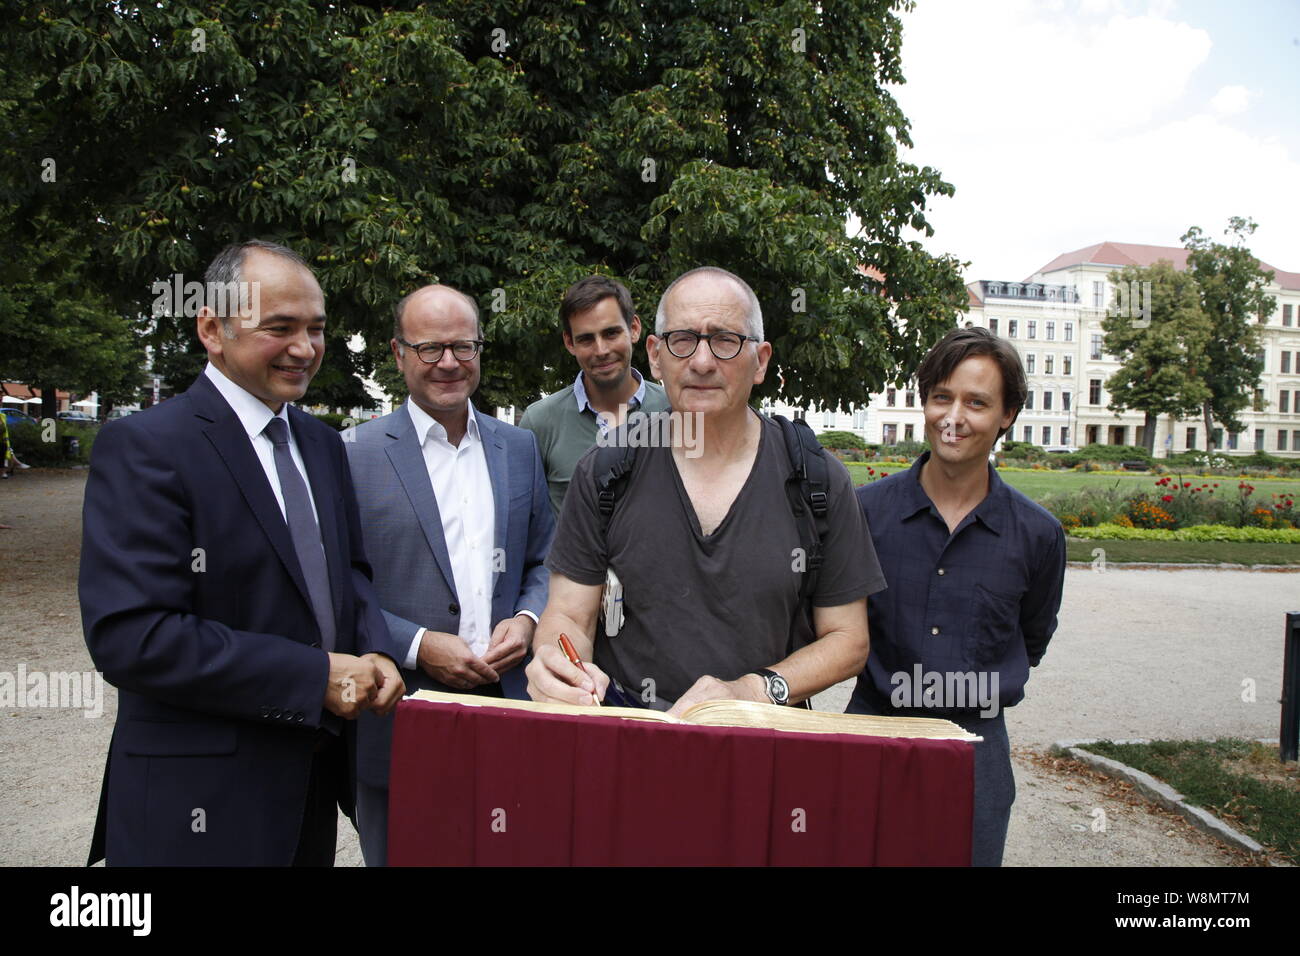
[49, 401]
[1149, 433]
[1209, 427]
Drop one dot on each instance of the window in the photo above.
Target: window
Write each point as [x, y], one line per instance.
[1067, 364]
[1029, 363]
[1094, 391]
[909, 398]
[828, 419]
[1295, 439]
[1099, 295]
[1259, 439]
[1216, 438]
[859, 419]
[1065, 402]
[993, 326]
[799, 415]
[1051, 331]
[1191, 438]
[1011, 328]
[1029, 399]
[1047, 434]
[889, 434]
[1047, 401]
[1069, 331]
[891, 397]
[1284, 400]
[1047, 364]
[1259, 400]
[1286, 363]
[1065, 435]
[1029, 434]
[1281, 439]
[1262, 316]
[1095, 352]
[1232, 441]
[908, 432]
[1033, 328]
[1286, 315]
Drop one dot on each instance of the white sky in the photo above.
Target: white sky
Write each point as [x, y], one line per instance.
[1067, 122]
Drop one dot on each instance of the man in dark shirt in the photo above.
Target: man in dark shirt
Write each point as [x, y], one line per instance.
[704, 540]
[975, 572]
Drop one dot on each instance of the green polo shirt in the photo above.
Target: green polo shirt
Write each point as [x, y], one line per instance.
[565, 433]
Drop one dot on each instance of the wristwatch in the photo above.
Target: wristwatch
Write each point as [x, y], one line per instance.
[778, 691]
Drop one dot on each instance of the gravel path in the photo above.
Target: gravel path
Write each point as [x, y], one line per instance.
[1138, 654]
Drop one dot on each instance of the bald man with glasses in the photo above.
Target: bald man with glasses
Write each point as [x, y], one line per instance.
[703, 540]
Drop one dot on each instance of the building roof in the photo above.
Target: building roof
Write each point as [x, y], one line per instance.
[1136, 254]
[973, 298]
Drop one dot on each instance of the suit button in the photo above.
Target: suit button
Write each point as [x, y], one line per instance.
[265, 711]
[453, 608]
[275, 712]
[298, 717]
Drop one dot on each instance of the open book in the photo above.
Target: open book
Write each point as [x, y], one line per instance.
[734, 713]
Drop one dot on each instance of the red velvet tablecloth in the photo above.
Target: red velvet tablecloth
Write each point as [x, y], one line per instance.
[496, 787]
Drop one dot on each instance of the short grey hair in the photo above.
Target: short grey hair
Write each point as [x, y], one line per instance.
[227, 269]
[754, 312]
[400, 308]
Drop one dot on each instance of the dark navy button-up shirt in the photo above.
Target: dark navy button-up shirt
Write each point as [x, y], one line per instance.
[979, 601]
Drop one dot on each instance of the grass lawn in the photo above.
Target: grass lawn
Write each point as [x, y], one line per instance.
[1185, 552]
[1240, 781]
[1038, 484]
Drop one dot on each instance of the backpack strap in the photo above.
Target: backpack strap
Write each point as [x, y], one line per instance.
[612, 467]
[807, 488]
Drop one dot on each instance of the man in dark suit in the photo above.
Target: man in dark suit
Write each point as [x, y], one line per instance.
[457, 521]
[225, 593]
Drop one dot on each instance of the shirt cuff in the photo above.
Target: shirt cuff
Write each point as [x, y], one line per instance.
[413, 655]
[528, 614]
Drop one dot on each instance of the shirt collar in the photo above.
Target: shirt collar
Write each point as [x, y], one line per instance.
[580, 393]
[425, 423]
[252, 411]
[992, 511]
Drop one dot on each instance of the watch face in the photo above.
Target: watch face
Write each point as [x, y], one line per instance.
[778, 689]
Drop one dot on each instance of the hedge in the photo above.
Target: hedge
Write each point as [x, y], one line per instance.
[1199, 532]
[31, 448]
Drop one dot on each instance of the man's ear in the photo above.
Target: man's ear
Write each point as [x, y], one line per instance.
[635, 328]
[210, 332]
[764, 350]
[396, 346]
[652, 344]
[568, 342]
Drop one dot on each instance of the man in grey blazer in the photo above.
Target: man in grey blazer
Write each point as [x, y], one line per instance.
[456, 521]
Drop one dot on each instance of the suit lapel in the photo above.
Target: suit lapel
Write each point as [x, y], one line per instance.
[227, 435]
[408, 461]
[494, 450]
[315, 456]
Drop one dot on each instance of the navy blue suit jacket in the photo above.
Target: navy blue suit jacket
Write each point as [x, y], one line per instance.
[195, 608]
[414, 578]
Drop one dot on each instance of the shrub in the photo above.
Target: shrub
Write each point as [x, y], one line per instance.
[29, 444]
[838, 441]
[1114, 453]
[1201, 532]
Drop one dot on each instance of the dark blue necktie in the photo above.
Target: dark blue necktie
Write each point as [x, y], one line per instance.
[305, 531]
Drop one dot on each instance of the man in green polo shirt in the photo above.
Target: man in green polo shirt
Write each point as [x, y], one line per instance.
[600, 331]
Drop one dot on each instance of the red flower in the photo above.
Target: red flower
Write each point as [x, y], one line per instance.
[1166, 498]
[1187, 484]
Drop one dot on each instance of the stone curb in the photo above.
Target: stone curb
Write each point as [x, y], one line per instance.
[1170, 566]
[1158, 792]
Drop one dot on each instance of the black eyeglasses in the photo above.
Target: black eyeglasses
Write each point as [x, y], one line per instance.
[431, 352]
[724, 345]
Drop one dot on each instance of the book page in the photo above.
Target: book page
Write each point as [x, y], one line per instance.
[572, 710]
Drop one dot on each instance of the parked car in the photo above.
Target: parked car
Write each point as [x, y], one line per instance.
[77, 417]
[18, 418]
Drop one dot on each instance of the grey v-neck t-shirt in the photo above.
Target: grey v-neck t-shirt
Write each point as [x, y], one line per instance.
[725, 604]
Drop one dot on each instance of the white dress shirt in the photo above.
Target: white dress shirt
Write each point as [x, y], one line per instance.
[255, 416]
[463, 489]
